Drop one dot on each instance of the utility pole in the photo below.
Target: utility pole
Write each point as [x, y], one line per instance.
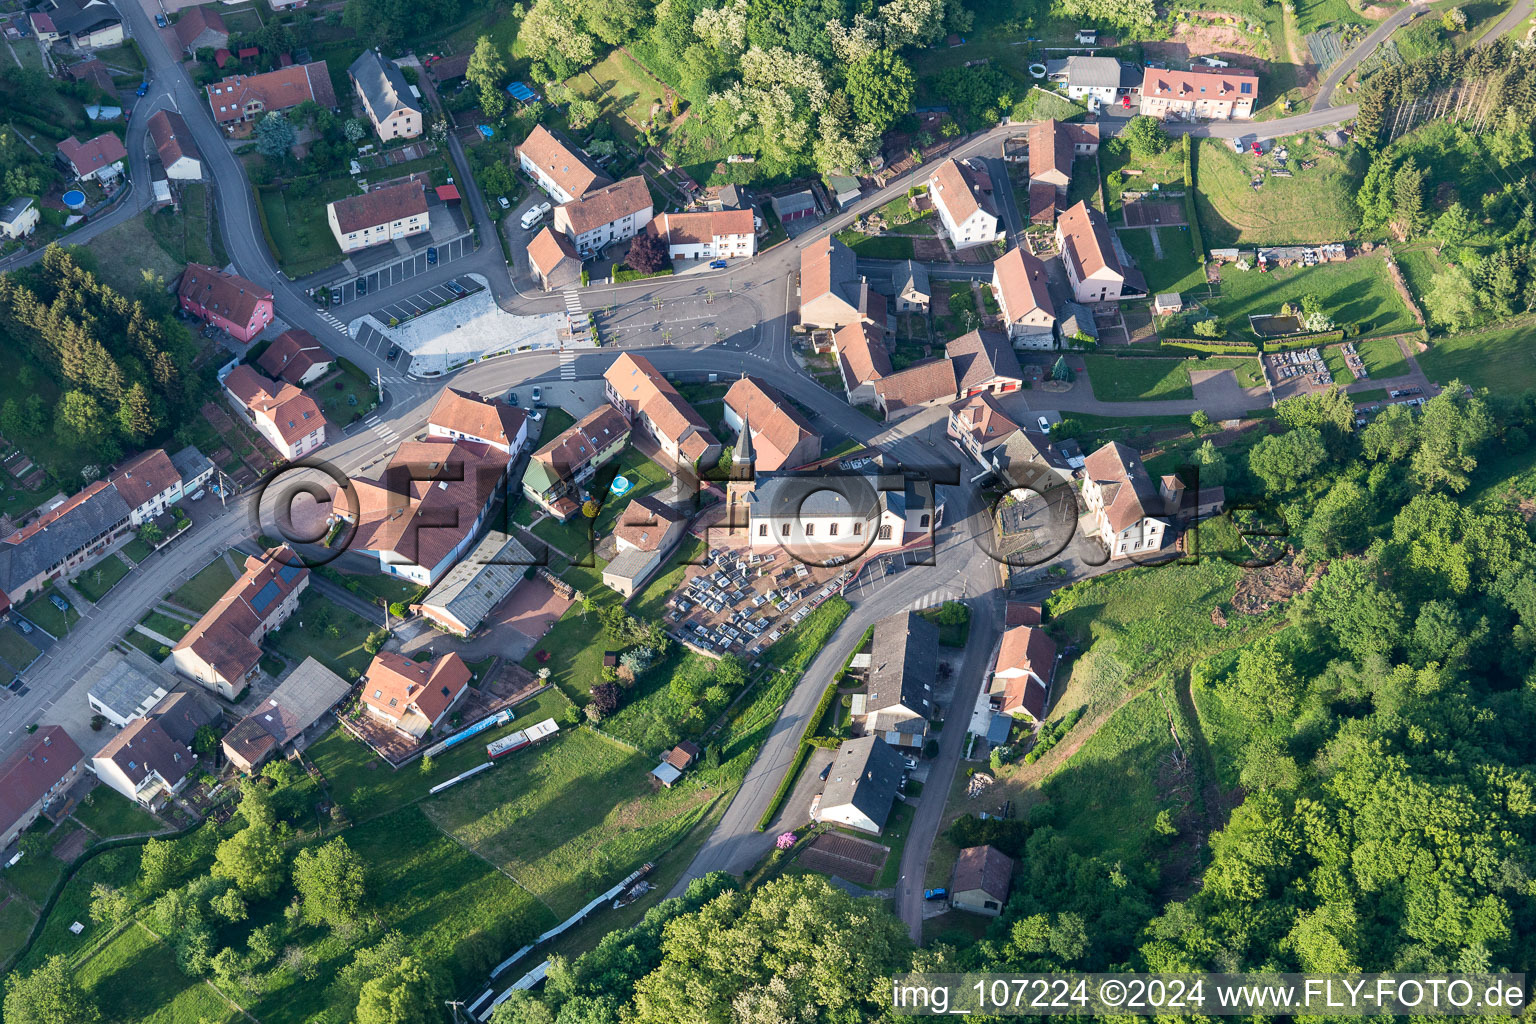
[456, 1005]
[378, 378]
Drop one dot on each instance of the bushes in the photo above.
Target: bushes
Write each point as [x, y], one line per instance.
[1190, 213]
[785, 785]
[1227, 346]
[1051, 734]
[1302, 340]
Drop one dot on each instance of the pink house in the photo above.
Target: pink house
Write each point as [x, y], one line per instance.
[228, 301]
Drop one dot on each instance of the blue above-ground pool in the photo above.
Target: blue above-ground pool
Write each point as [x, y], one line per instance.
[74, 199]
[621, 486]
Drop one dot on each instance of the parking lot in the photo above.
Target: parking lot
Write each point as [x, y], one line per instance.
[409, 308]
[391, 274]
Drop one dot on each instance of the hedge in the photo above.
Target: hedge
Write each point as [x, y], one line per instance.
[1302, 341]
[1190, 213]
[822, 707]
[785, 785]
[1219, 346]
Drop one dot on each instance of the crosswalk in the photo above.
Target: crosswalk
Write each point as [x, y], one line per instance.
[396, 379]
[382, 429]
[567, 365]
[333, 321]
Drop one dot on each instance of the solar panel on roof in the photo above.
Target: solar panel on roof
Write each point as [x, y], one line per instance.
[265, 596]
[289, 573]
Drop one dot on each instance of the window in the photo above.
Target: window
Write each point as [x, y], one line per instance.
[784, 530]
[810, 529]
[832, 530]
[858, 529]
[885, 533]
[1247, 88]
[922, 524]
[762, 529]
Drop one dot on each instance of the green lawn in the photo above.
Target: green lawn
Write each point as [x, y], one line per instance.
[44, 613]
[165, 625]
[136, 550]
[1166, 170]
[34, 876]
[108, 813]
[204, 590]
[16, 921]
[877, 247]
[1502, 360]
[651, 601]
[15, 648]
[1315, 205]
[135, 978]
[575, 642]
[1383, 358]
[148, 645]
[125, 250]
[337, 643]
[576, 537]
[629, 88]
[117, 868]
[374, 586]
[1312, 15]
[570, 818]
[1153, 379]
[344, 397]
[301, 239]
[1419, 267]
[367, 787]
[1177, 270]
[1358, 291]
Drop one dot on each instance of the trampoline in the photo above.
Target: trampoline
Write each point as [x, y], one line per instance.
[621, 486]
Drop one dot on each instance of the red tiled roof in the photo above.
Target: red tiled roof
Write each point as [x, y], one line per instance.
[292, 354]
[380, 206]
[861, 352]
[229, 295]
[959, 193]
[548, 249]
[1128, 492]
[290, 410]
[1021, 280]
[1086, 241]
[276, 90]
[37, 766]
[144, 476]
[696, 228]
[426, 501]
[575, 446]
[470, 413]
[566, 165]
[172, 139]
[396, 684]
[777, 426]
[1215, 84]
[1050, 149]
[194, 21]
[222, 637]
[647, 392]
[922, 382]
[608, 204]
[102, 151]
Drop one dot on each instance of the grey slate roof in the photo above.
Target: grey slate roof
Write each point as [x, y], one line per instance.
[1093, 72]
[71, 532]
[903, 663]
[76, 18]
[913, 274]
[865, 774]
[125, 689]
[481, 581]
[190, 463]
[184, 712]
[384, 88]
[795, 202]
[14, 208]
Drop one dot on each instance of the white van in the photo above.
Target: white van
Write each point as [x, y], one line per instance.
[534, 215]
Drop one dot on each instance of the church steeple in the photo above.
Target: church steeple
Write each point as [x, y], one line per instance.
[742, 455]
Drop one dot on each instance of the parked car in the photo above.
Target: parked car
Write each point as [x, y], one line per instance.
[505, 203]
[335, 296]
[936, 894]
[58, 602]
[431, 255]
[826, 771]
[362, 286]
[718, 265]
[538, 394]
[392, 354]
[160, 20]
[535, 416]
[1045, 425]
[457, 289]
[511, 397]
[24, 625]
[910, 763]
[143, 89]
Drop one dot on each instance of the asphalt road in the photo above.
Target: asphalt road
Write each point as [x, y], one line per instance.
[1341, 70]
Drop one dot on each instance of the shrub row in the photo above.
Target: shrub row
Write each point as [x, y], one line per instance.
[1302, 341]
[785, 785]
[1221, 346]
[1052, 733]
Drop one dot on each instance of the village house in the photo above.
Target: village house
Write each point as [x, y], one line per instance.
[393, 110]
[288, 419]
[1029, 459]
[962, 195]
[558, 167]
[647, 532]
[425, 510]
[980, 362]
[912, 290]
[819, 516]
[149, 484]
[123, 693]
[832, 294]
[380, 215]
[297, 357]
[1218, 94]
[708, 235]
[1021, 285]
[903, 666]
[234, 305]
[557, 471]
[1021, 677]
[99, 159]
[1104, 81]
[1124, 509]
[469, 416]
[413, 696]
[1088, 252]
[862, 359]
[612, 213]
[19, 217]
[38, 773]
[145, 763]
[648, 400]
[82, 24]
[222, 650]
[553, 260]
[781, 437]
[173, 144]
[480, 581]
[241, 99]
[981, 881]
[200, 28]
[861, 785]
[286, 720]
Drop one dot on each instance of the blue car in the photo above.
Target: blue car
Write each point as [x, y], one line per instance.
[143, 88]
[718, 265]
[935, 894]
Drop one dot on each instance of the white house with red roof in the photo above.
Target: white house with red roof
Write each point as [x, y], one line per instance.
[469, 416]
[1216, 93]
[98, 159]
[962, 195]
[40, 771]
[1021, 676]
[296, 357]
[286, 417]
[1020, 284]
[413, 696]
[707, 235]
[1123, 506]
[1088, 252]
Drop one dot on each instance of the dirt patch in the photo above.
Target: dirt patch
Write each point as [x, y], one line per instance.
[930, 250]
[530, 609]
[1190, 40]
[71, 846]
[856, 860]
[1146, 213]
[1264, 587]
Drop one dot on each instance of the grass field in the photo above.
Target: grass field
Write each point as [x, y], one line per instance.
[165, 625]
[1312, 15]
[43, 612]
[16, 921]
[203, 590]
[629, 89]
[108, 813]
[1148, 379]
[1502, 360]
[568, 819]
[1107, 795]
[1165, 169]
[1383, 358]
[574, 642]
[154, 648]
[184, 234]
[136, 550]
[96, 580]
[16, 649]
[877, 247]
[117, 868]
[135, 978]
[367, 787]
[1419, 267]
[34, 876]
[1358, 291]
[124, 251]
[1177, 270]
[1225, 731]
[1316, 205]
[301, 241]
[338, 645]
